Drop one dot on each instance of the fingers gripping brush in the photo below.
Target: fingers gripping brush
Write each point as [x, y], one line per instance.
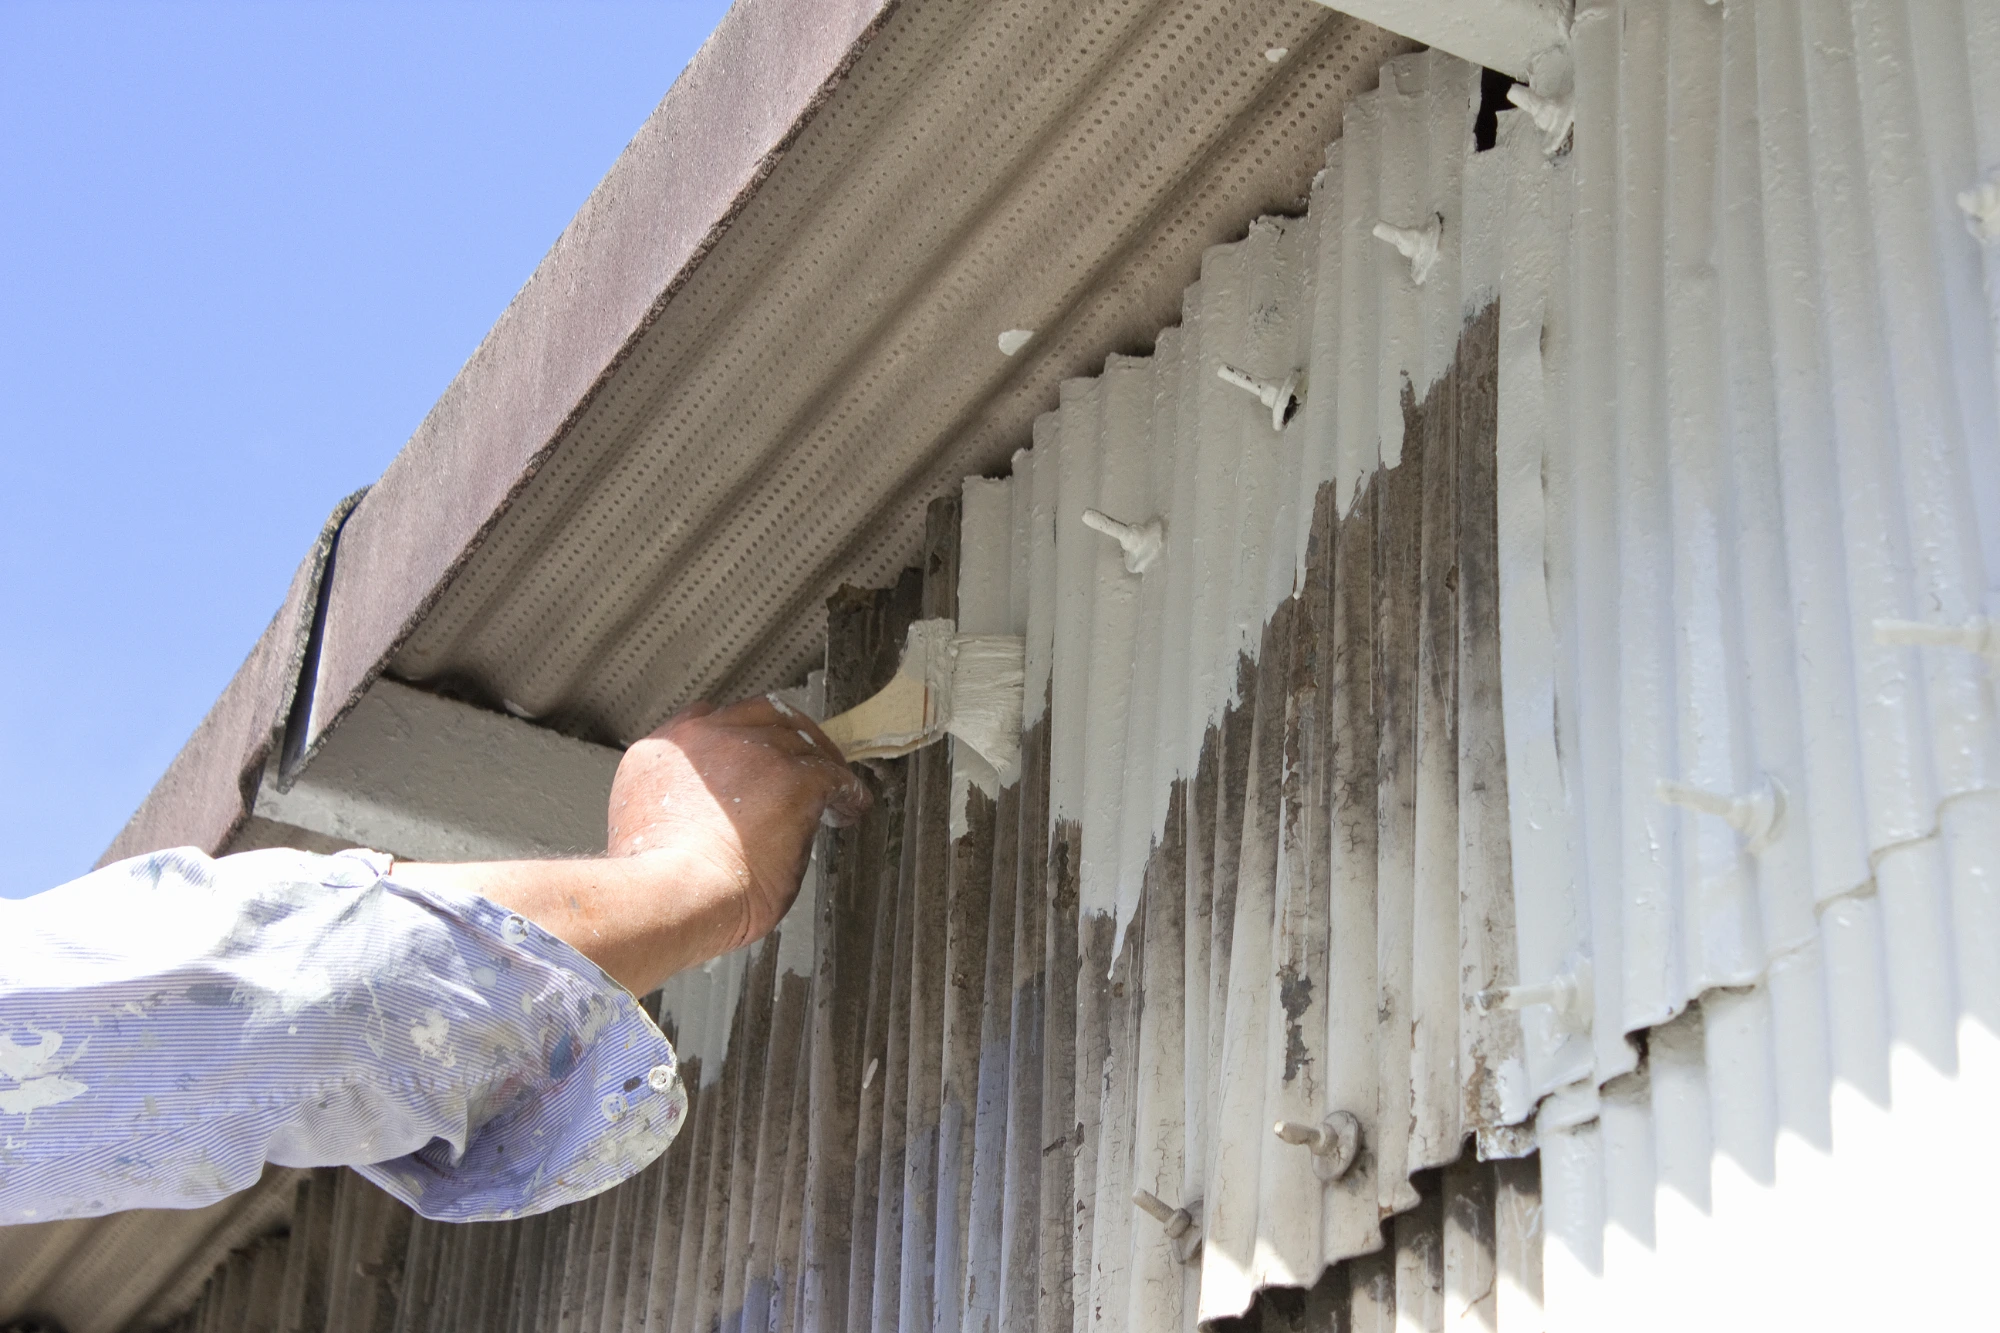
[963, 685]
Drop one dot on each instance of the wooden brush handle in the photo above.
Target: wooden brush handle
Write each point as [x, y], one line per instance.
[892, 722]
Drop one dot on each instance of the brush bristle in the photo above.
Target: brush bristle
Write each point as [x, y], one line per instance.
[979, 700]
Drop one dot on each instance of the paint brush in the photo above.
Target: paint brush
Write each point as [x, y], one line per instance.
[963, 685]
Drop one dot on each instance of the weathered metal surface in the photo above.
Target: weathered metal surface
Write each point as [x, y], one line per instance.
[1118, 974]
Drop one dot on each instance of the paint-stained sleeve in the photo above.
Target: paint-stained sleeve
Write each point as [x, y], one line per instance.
[171, 1023]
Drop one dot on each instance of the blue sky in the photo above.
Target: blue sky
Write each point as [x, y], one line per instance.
[243, 247]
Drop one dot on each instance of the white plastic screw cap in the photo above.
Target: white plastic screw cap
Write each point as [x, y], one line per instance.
[1141, 542]
[1553, 116]
[1419, 245]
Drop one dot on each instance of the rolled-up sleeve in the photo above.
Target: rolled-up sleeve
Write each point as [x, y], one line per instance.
[171, 1023]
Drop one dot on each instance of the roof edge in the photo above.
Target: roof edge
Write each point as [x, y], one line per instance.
[691, 168]
[674, 190]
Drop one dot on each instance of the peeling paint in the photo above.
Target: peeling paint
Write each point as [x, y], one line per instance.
[1295, 996]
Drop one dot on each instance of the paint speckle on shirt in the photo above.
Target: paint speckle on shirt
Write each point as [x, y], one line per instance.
[171, 1023]
[39, 1093]
[432, 1038]
[35, 1069]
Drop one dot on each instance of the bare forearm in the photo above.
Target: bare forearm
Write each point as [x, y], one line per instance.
[641, 918]
[711, 820]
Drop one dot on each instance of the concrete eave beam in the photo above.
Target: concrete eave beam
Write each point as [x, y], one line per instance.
[430, 779]
[1506, 35]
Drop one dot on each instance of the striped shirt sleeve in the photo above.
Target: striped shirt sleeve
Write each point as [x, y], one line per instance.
[171, 1023]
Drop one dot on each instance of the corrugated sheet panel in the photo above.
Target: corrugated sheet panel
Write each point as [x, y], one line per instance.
[1750, 548]
[1518, 742]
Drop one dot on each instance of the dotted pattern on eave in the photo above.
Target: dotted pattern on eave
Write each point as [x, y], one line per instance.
[833, 362]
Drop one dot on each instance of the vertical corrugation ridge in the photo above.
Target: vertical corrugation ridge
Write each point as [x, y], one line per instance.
[1765, 302]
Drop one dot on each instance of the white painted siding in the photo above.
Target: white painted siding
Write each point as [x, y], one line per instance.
[1747, 419]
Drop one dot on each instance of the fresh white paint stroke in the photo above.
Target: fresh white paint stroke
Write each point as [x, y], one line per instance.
[1888, 1229]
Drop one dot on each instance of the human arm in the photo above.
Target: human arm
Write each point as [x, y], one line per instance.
[171, 1023]
[710, 825]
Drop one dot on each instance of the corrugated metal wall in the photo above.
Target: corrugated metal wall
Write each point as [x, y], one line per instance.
[1687, 412]
[1747, 439]
[138, 1267]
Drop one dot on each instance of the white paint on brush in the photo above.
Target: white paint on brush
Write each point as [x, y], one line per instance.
[947, 683]
[976, 685]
